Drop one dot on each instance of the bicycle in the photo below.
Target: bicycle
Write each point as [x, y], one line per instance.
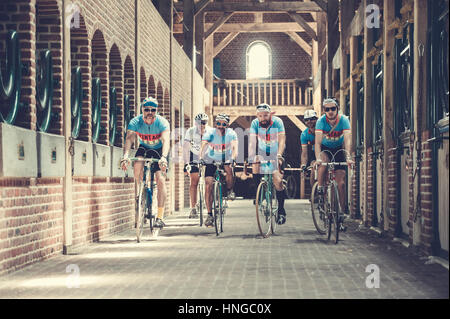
[328, 207]
[266, 204]
[200, 189]
[145, 201]
[218, 198]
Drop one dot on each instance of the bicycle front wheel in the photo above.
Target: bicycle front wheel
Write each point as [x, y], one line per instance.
[142, 210]
[333, 231]
[263, 210]
[217, 207]
[200, 202]
[317, 211]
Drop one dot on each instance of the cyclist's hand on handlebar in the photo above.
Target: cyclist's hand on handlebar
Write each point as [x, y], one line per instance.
[350, 162]
[124, 163]
[162, 163]
[303, 168]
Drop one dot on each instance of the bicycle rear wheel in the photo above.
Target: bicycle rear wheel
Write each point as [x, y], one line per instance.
[217, 207]
[142, 210]
[317, 211]
[263, 209]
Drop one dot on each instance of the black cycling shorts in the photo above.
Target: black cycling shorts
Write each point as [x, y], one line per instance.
[338, 156]
[150, 153]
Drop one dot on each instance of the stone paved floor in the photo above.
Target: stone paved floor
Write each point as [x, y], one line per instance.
[191, 262]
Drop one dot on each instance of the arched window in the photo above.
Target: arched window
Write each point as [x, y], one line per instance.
[259, 61]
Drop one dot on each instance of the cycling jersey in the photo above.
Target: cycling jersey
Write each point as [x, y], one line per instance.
[194, 137]
[149, 135]
[268, 137]
[307, 138]
[219, 147]
[336, 138]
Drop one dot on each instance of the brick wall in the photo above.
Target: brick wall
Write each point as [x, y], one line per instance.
[370, 184]
[391, 185]
[31, 220]
[102, 44]
[289, 61]
[426, 196]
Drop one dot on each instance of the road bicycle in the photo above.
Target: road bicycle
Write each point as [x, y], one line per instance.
[146, 190]
[200, 189]
[326, 208]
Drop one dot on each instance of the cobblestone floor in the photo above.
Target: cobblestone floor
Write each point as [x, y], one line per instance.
[191, 262]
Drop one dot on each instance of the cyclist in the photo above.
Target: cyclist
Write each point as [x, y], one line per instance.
[218, 145]
[268, 132]
[153, 133]
[191, 152]
[308, 158]
[333, 134]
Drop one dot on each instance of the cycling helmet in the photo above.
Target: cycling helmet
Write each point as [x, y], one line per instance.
[223, 117]
[201, 117]
[264, 107]
[330, 100]
[150, 101]
[310, 114]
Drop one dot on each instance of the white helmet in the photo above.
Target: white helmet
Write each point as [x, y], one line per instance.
[310, 114]
[201, 117]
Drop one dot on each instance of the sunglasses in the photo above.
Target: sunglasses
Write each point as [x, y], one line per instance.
[221, 124]
[150, 110]
[202, 122]
[333, 108]
[309, 120]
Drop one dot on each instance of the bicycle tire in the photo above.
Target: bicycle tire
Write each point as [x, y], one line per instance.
[200, 203]
[337, 214]
[333, 229]
[142, 209]
[291, 187]
[217, 207]
[273, 210]
[263, 218]
[319, 219]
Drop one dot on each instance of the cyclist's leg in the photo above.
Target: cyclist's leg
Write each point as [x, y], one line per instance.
[311, 177]
[193, 188]
[139, 166]
[340, 178]
[321, 171]
[161, 185]
[229, 177]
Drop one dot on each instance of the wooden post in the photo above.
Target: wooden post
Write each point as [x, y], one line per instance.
[66, 75]
[388, 93]
[368, 111]
[188, 27]
[208, 71]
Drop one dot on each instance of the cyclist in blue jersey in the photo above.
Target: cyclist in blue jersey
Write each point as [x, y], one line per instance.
[218, 145]
[307, 140]
[267, 131]
[153, 134]
[333, 134]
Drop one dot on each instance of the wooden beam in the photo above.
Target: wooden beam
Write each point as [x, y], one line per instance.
[250, 111]
[278, 6]
[294, 119]
[258, 17]
[199, 6]
[225, 41]
[298, 18]
[217, 24]
[265, 27]
[188, 31]
[254, 27]
[301, 42]
[322, 4]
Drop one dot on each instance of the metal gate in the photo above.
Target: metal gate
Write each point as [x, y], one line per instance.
[377, 140]
[437, 121]
[403, 121]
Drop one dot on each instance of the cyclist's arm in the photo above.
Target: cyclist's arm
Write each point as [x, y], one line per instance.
[186, 149]
[304, 157]
[165, 139]
[234, 149]
[318, 144]
[348, 141]
[281, 142]
[131, 136]
[251, 147]
[203, 148]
